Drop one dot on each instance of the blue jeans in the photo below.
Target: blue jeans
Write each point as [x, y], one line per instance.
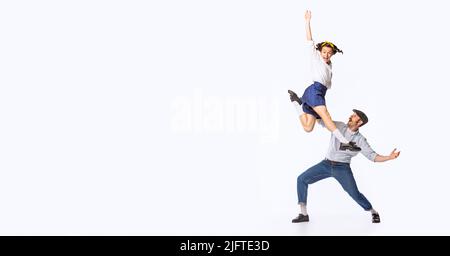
[325, 169]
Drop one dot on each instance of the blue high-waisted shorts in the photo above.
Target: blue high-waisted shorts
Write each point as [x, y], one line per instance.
[314, 96]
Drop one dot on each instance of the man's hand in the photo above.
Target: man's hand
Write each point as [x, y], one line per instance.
[394, 154]
[308, 16]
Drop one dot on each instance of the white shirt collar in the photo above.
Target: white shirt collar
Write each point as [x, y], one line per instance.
[351, 132]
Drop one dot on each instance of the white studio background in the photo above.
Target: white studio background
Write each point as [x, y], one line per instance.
[173, 118]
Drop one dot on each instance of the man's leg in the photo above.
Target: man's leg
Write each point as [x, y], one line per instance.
[344, 176]
[317, 172]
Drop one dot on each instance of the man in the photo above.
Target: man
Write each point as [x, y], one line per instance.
[337, 165]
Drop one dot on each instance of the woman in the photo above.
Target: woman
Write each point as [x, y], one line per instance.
[313, 99]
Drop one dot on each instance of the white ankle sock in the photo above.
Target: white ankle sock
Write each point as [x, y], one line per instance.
[373, 211]
[339, 136]
[303, 209]
[298, 108]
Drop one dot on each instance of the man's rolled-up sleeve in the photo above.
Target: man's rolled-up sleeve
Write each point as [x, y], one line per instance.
[366, 149]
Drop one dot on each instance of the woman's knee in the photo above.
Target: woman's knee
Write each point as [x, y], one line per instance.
[308, 128]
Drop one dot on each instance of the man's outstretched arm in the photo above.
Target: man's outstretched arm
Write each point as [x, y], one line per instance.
[392, 156]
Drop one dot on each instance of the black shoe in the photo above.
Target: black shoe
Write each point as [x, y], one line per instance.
[350, 146]
[375, 218]
[294, 97]
[301, 218]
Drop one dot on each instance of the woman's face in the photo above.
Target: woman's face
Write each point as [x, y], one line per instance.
[326, 54]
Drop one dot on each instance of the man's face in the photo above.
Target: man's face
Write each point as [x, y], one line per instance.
[353, 120]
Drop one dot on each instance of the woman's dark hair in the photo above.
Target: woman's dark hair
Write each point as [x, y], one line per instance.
[335, 49]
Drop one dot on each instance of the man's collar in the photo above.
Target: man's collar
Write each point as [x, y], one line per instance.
[352, 132]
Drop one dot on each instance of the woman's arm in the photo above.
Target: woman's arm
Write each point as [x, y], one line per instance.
[392, 156]
[308, 25]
